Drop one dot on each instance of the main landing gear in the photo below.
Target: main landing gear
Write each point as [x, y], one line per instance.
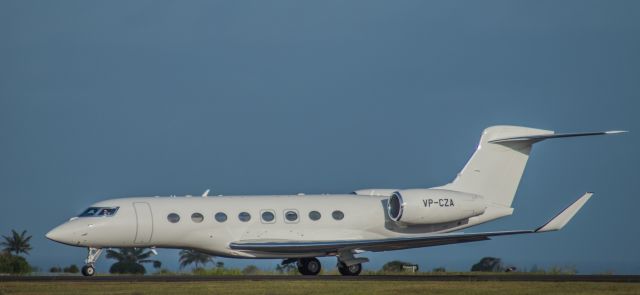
[348, 265]
[309, 266]
[352, 270]
[88, 269]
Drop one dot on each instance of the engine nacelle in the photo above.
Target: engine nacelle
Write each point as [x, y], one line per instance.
[375, 192]
[431, 206]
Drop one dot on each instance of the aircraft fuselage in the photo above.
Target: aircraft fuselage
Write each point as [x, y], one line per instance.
[144, 222]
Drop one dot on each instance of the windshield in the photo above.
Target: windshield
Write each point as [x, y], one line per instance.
[99, 211]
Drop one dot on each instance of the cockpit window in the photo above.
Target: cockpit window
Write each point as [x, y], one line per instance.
[99, 211]
[89, 212]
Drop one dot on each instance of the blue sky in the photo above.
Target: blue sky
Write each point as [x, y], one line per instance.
[103, 99]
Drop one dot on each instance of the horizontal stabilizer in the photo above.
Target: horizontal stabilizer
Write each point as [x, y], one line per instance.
[558, 222]
[541, 137]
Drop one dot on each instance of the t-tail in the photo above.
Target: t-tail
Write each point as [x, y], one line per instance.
[496, 167]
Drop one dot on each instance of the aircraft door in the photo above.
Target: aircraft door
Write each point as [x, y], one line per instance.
[144, 221]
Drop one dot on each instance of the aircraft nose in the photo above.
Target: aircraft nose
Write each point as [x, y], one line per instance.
[61, 234]
[53, 234]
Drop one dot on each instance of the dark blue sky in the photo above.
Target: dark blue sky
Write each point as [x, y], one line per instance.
[103, 99]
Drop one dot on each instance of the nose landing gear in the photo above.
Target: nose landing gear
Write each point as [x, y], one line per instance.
[88, 269]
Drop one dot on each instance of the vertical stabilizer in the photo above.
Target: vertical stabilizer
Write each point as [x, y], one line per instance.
[495, 168]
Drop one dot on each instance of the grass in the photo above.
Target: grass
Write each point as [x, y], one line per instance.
[318, 287]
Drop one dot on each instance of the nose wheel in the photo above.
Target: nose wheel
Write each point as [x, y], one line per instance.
[88, 269]
[309, 266]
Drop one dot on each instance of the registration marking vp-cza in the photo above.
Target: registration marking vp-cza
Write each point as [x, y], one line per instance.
[439, 202]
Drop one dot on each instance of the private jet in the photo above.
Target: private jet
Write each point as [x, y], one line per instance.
[299, 228]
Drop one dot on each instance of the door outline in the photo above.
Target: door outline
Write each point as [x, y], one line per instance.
[143, 213]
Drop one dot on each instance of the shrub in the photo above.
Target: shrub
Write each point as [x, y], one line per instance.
[199, 271]
[71, 269]
[490, 264]
[250, 270]
[567, 270]
[289, 268]
[394, 266]
[127, 268]
[164, 271]
[13, 264]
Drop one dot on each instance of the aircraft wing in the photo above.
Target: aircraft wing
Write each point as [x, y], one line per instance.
[376, 245]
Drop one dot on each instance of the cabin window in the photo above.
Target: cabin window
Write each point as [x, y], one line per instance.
[268, 216]
[337, 215]
[221, 217]
[197, 217]
[244, 216]
[173, 217]
[314, 215]
[291, 216]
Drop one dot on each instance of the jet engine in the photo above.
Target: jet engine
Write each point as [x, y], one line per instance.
[431, 206]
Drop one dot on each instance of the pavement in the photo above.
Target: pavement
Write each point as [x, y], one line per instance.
[426, 278]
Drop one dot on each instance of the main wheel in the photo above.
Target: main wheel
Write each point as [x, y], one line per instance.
[352, 270]
[88, 271]
[309, 266]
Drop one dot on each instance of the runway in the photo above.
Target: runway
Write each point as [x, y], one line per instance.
[425, 278]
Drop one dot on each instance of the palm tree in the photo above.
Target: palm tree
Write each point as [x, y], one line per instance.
[130, 260]
[18, 243]
[194, 257]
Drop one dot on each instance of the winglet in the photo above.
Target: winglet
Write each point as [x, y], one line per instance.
[558, 222]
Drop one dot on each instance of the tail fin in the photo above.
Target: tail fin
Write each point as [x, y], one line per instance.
[495, 168]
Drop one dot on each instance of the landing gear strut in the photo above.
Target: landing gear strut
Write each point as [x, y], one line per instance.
[88, 269]
[309, 266]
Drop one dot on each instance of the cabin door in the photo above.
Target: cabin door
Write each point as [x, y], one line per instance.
[144, 222]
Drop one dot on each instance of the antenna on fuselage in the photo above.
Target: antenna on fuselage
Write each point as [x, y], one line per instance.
[205, 194]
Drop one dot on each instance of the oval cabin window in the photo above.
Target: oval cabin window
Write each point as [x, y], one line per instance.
[337, 215]
[173, 217]
[197, 217]
[244, 216]
[268, 216]
[221, 217]
[291, 216]
[314, 215]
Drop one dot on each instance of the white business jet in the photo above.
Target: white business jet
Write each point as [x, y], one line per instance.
[299, 228]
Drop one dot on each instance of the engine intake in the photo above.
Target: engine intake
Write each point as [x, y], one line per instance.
[432, 206]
